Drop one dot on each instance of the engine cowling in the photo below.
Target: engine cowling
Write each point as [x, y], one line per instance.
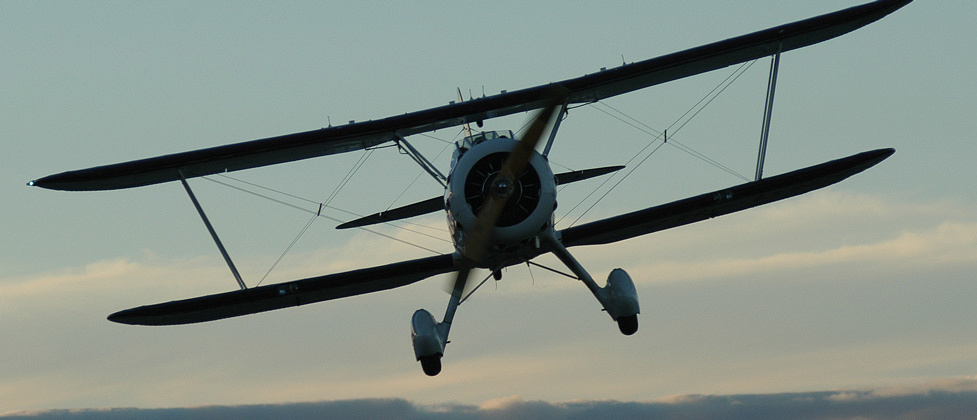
[529, 208]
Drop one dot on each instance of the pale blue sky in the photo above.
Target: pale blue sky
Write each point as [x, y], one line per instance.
[866, 284]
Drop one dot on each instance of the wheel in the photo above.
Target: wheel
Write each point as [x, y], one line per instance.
[431, 365]
[628, 324]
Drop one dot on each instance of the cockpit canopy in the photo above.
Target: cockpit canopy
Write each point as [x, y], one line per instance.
[468, 142]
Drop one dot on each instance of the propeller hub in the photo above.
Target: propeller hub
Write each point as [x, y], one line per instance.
[502, 188]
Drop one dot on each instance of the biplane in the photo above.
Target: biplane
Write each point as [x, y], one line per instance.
[500, 192]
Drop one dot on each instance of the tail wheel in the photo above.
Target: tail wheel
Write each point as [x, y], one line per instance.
[628, 324]
[431, 365]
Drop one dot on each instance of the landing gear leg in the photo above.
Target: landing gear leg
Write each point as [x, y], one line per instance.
[430, 337]
[618, 297]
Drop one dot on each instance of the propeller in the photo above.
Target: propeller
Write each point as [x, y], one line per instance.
[501, 189]
[521, 203]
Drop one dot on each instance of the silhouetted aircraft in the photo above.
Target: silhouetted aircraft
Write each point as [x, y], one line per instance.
[500, 193]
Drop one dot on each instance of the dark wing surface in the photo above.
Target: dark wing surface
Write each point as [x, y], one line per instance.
[283, 295]
[718, 203]
[357, 136]
[430, 205]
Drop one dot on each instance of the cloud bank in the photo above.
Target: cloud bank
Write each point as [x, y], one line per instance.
[956, 399]
[781, 299]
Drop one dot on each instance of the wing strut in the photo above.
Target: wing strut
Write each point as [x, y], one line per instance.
[402, 144]
[468, 128]
[768, 111]
[556, 127]
[213, 233]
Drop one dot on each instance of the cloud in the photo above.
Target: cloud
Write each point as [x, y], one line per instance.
[717, 319]
[947, 243]
[948, 398]
[825, 229]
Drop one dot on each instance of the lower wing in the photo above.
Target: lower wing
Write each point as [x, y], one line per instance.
[283, 295]
[625, 226]
[718, 203]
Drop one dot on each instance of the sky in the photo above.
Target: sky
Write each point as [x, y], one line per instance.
[857, 293]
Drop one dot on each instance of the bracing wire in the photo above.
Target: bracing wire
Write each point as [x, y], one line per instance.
[349, 175]
[317, 213]
[418, 176]
[552, 270]
[619, 181]
[449, 142]
[685, 119]
[680, 122]
[671, 141]
[475, 288]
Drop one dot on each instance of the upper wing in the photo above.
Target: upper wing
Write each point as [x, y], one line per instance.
[283, 295]
[705, 206]
[356, 136]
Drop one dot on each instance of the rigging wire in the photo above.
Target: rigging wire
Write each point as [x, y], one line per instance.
[619, 181]
[680, 122]
[685, 118]
[349, 175]
[316, 214]
[418, 176]
[553, 270]
[313, 212]
[436, 138]
[671, 141]
[319, 214]
[475, 288]
[621, 116]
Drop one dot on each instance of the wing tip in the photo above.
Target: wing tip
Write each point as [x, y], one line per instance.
[121, 318]
[143, 315]
[883, 154]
